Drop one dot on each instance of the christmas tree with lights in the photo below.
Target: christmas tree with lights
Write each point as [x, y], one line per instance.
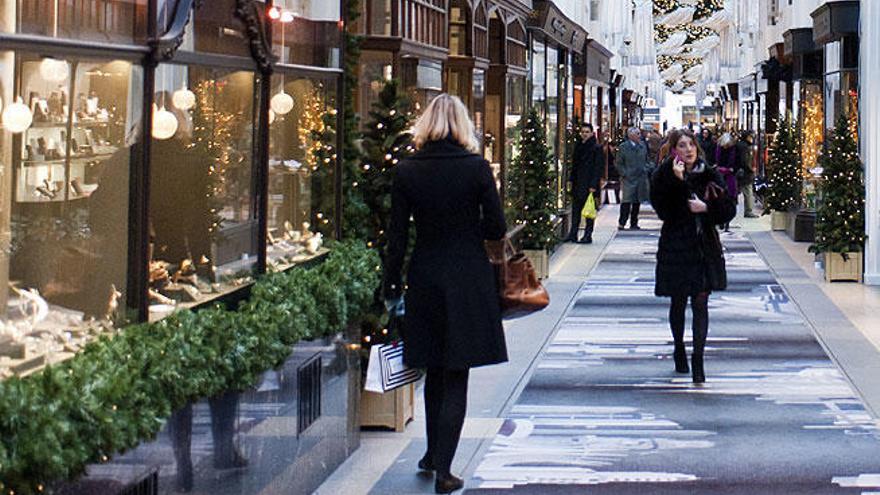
[387, 140]
[785, 178]
[531, 191]
[840, 219]
[322, 161]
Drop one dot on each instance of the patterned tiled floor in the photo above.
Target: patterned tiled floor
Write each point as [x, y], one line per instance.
[604, 411]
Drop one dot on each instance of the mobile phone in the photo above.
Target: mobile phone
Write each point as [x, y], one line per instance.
[675, 156]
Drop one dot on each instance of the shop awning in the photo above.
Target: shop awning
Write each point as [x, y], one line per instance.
[550, 21]
[834, 20]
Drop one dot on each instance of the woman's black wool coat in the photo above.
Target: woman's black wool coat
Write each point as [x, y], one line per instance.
[690, 257]
[453, 315]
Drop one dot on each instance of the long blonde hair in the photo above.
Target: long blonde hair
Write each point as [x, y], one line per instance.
[445, 116]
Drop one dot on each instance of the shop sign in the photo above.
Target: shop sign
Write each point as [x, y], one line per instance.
[559, 27]
[834, 20]
[747, 89]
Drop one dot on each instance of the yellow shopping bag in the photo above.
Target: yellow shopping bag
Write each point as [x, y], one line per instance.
[589, 210]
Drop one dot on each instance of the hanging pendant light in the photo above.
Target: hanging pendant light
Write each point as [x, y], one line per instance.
[54, 70]
[183, 98]
[271, 116]
[17, 117]
[164, 123]
[281, 103]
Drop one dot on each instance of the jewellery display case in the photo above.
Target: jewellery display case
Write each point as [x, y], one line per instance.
[64, 188]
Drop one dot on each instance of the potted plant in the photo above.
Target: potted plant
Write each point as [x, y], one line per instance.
[387, 140]
[531, 198]
[784, 177]
[840, 222]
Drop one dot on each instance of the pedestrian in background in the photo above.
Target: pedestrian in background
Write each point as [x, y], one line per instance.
[631, 163]
[452, 319]
[708, 145]
[654, 142]
[727, 163]
[745, 174]
[689, 197]
[587, 168]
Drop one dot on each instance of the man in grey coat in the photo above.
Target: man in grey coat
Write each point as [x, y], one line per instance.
[632, 165]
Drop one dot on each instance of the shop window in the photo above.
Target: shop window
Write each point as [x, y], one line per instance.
[379, 17]
[70, 131]
[94, 20]
[376, 68]
[213, 28]
[539, 76]
[302, 161]
[516, 106]
[307, 32]
[202, 213]
[517, 41]
[458, 29]
[481, 32]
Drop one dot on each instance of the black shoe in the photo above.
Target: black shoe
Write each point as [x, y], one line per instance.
[634, 227]
[184, 476]
[681, 360]
[586, 240]
[426, 464]
[699, 374]
[621, 227]
[571, 239]
[236, 461]
[447, 483]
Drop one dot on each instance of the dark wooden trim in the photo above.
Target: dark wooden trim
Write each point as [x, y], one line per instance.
[257, 30]
[340, 123]
[138, 280]
[165, 46]
[61, 46]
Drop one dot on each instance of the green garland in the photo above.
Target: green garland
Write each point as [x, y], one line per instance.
[118, 391]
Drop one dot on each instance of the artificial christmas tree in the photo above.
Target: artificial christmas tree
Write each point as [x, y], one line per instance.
[784, 174]
[531, 191]
[840, 225]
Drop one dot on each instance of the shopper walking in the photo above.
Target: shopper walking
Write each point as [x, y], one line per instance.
[452, 318]
[727, 163]
[708, 145]
[745, 174]
[632, 165]
[690, 198]
[588, 163]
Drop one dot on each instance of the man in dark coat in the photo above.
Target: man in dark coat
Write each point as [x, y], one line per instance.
[745, 173]
[632, 164]
[587, 167]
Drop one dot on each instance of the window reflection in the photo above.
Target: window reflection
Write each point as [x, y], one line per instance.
[308, 32]
[65, 151]
[202, 219]
[93, 20]
[302, 157]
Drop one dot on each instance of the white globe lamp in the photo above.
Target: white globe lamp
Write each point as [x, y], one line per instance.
[17, 117]
[271, 116]
[54, 70]
[183, 98]
[164, 123]
[281, 103]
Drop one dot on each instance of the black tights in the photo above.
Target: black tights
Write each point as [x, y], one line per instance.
[700, 313]
[445, 408]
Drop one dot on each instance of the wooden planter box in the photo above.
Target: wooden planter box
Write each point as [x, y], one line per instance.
[838, 269]
[391, 410]
[778, 220]
[540, 259]
[801, 226]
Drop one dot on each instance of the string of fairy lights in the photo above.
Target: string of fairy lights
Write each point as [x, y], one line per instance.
[702, 9]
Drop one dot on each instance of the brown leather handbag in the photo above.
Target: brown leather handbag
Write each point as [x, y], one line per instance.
[518, 286]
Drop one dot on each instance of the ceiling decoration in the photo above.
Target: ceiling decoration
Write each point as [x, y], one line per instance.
[685, 32]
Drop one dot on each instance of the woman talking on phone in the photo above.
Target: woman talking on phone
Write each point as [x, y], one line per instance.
[691, 199]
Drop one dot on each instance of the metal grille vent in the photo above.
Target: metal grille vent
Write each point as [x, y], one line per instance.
[308, 378]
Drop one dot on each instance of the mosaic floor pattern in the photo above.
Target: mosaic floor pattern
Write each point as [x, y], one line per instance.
[604, 411]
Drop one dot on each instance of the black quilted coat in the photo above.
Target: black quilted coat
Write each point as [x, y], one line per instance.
[690, 257]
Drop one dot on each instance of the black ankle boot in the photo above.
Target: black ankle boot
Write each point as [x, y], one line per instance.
[426, 463]
[699, 374]
[681, 359]
[447, 483]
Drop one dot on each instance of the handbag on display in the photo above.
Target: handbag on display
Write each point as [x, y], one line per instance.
[386, 370]
[518, 286]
